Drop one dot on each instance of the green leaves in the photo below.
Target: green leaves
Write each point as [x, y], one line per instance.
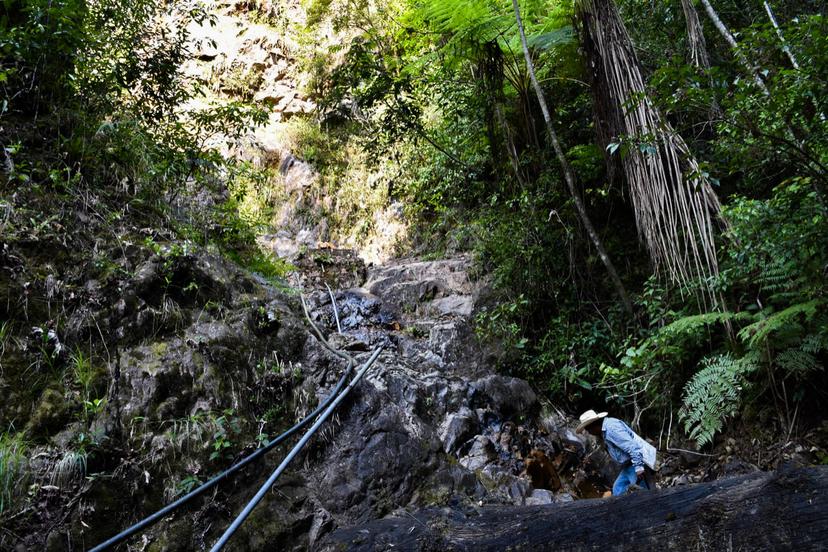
[226, 427]
[481, 21]
[439, 87]
[502, 324]
[780, 325]
[557, 37]
[14, 469]
[714, 393]
[674, 343]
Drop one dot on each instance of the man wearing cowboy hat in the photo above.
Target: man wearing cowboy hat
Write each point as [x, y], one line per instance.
[624, 446]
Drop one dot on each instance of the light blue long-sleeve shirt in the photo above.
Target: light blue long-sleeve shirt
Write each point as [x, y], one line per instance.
[621, 443]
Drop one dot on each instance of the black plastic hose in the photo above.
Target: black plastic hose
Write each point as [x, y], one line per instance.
[263, 490]
[168, 509]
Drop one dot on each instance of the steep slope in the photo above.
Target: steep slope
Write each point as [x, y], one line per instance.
[196, 361]
[137, 360]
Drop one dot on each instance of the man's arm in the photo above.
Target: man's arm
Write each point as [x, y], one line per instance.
[622, 437]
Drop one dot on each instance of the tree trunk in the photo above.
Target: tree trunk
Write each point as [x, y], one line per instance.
[500, 136]
[490, 67]
[782, 41]
[509, 143]
[566, 168]
[760, 511]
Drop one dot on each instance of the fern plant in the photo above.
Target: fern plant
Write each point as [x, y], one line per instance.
[802, 360]
[781, 326]
[716, 390]
[670, 345]
[481, 21]
[795, 361]
[714, 394]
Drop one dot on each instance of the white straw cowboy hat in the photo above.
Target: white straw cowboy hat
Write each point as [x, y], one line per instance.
[588, 417]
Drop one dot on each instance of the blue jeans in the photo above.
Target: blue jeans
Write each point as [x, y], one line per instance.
[625, 479]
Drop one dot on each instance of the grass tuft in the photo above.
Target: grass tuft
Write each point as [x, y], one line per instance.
[14, 472]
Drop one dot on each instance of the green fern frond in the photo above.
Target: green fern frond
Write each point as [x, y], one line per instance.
[803, 359]
[797, 362]
[817, 342]
[780, 280]
[713, 394]
[784, 321]
[691, 324]
[482, 21]
[688, 324]
[774, 277]
[556, 37]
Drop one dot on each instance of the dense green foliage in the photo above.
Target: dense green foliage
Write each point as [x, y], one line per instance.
[96, 116]
[428, 104]
[441, 87]
[93, 99]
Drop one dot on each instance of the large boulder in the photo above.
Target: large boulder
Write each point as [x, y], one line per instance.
[376, 460]
[511, 397]
[481, 453]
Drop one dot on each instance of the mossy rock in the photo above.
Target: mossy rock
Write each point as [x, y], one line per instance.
[18, 399]
[176, 536]
[51, 414]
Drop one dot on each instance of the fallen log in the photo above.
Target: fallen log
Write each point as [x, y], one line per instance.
[784, 510]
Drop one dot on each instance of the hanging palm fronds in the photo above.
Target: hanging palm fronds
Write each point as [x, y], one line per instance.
[696, 46]
[672, 198]
[697, 50]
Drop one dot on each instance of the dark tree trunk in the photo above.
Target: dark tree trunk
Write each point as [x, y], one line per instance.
[497, 128]
[568, 173]
[609, 121]
[490, 66]
[760, 511]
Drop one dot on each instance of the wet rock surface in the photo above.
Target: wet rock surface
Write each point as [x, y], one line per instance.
[197, 362]
[206, 360]
[430, 425]
[416, 432]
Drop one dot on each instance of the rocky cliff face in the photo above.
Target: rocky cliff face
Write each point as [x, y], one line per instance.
[136, 364]
[431, 423]
[195, 362]
[252, 55]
